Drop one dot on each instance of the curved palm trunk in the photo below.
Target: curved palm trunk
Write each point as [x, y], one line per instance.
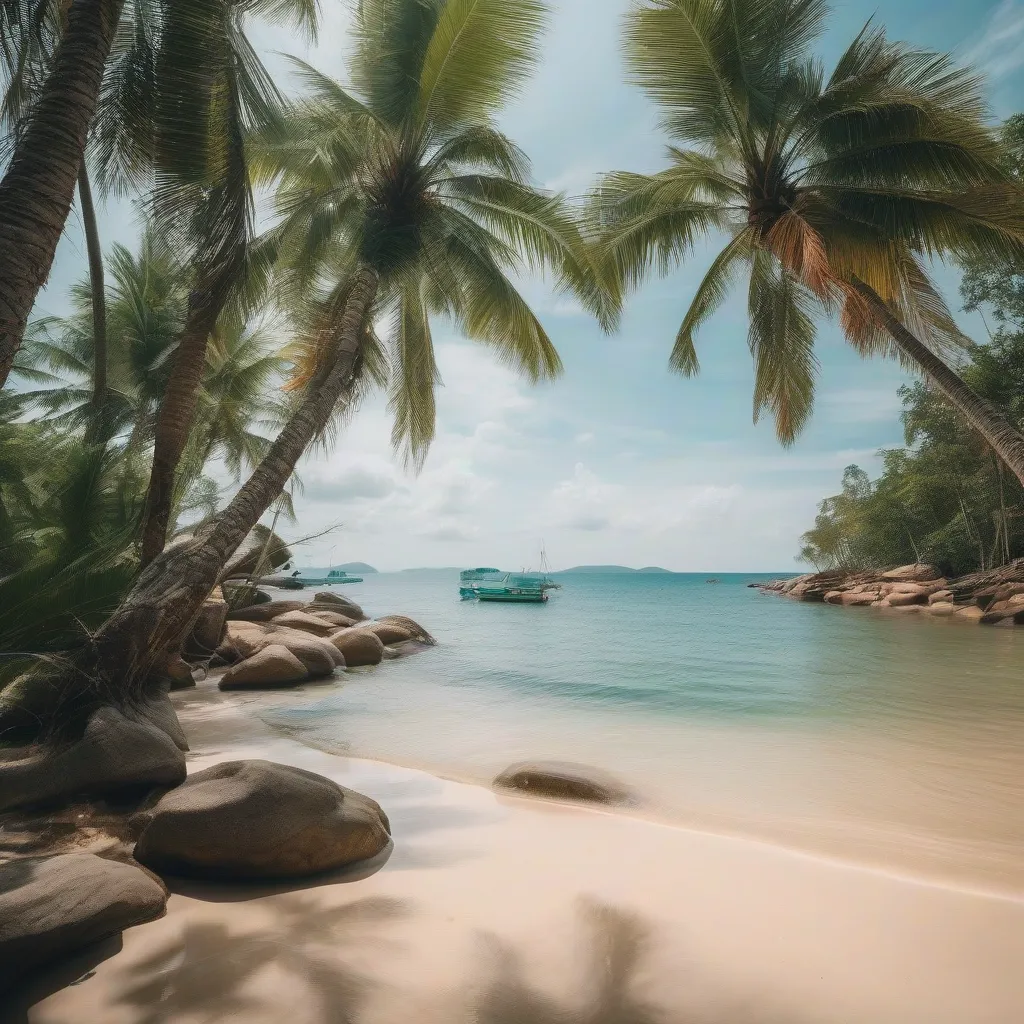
[99, 300]
[174, 420]
[150, 624]
[37, 190]
[1006, 441]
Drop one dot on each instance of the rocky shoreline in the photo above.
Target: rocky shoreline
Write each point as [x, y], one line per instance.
[992, 598]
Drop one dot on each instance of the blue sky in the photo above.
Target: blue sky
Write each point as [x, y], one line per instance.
[619, 461]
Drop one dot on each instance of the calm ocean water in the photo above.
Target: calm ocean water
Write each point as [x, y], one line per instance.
[897, 741]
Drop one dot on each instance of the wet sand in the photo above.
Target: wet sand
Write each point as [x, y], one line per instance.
[499, 910]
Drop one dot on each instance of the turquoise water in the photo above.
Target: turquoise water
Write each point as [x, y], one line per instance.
[895, 740]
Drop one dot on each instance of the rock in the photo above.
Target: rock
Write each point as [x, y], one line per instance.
[304, 621]
[159, 711]
[115, 754]
[906, 609]
[245, 638]
[941, 608]
[940, 596]
[275, 665]
[413, 628]
[179, 673]
[854, 599]
[970, 613]
[994, 616]
[342, 605]
[917, 572]
[564, 780]
[903, 600]
[834, 597]
[52, 906]
[389, 633]
[359, 647]
[265, 612]
[908, 588]
[336, 620]
[256, 819]
[318, 654]
[208, 630]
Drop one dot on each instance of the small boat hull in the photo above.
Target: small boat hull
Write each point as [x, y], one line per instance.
[509, 597]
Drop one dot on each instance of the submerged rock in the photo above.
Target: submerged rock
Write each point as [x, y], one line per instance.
[275, 665]
[564, 780]
[389, 633]
[411, 626]
[52, 906]
[115, 754]
[358, 647]
[257, 819]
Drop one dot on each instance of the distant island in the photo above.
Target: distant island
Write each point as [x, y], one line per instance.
[609, 569]
[356, 567]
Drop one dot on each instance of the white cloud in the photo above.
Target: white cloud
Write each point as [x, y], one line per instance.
[999, 50]
[585, 438]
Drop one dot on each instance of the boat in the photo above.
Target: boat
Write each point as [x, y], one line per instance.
[297, 581]
[489, 584]
[714, 579]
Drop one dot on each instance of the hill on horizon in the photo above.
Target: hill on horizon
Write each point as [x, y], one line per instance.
[355, 567]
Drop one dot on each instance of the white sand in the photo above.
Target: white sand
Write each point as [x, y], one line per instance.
[497, 910]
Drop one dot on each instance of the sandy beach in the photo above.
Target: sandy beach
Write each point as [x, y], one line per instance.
[497, 909]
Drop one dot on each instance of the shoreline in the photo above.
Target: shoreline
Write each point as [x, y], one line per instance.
[491, 904]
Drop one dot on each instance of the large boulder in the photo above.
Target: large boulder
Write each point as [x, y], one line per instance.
[906, 598]
[159, 711]
[970, 613]
[265, 612]
[246, 638]
[564, 780]
[273, 666]
[340, 604]
[411, 626]
[917, 572]
[319, 656]
[256, 819]
[305, 622]
[336, 620]
[389, 633]
[359, 647]
[114, 755]
[52, 906]
[208, 629]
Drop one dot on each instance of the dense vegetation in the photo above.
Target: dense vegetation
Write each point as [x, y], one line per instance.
[945, 498]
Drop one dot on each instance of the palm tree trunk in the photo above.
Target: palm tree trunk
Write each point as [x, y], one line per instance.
[37, 190]
[99, 300]
[154, 618]
[174, 420]
[1006, 441]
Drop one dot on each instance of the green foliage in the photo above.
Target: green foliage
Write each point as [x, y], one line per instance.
[945, 499]
[408, 174]
[820, 182]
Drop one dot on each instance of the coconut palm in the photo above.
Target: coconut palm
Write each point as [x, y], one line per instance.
[834, 192]
[147, 304]
[38, 186]
[400, 200]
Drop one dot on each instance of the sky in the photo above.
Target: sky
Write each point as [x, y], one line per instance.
[619, 461]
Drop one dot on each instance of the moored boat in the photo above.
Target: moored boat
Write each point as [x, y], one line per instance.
[512, 587]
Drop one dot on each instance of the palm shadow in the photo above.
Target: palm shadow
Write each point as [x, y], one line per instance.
[207, 969]
[613, 990]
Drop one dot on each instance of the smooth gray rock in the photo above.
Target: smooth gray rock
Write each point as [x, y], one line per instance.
[339, 604]
[563, 780]
[257, 819]
[52, 906]
[115, 754]
[273, 666]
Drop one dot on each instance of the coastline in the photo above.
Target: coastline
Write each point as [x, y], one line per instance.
[491, 908]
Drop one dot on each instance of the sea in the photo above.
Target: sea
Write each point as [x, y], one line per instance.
[894, 741]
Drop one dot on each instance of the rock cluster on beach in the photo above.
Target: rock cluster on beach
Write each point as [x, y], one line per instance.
[243, 820]
[995, 597]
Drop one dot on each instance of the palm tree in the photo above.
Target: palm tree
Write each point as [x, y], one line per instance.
[209, 90]
[402, 202]
[147, 305]
[834, 192]
[39, 183]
